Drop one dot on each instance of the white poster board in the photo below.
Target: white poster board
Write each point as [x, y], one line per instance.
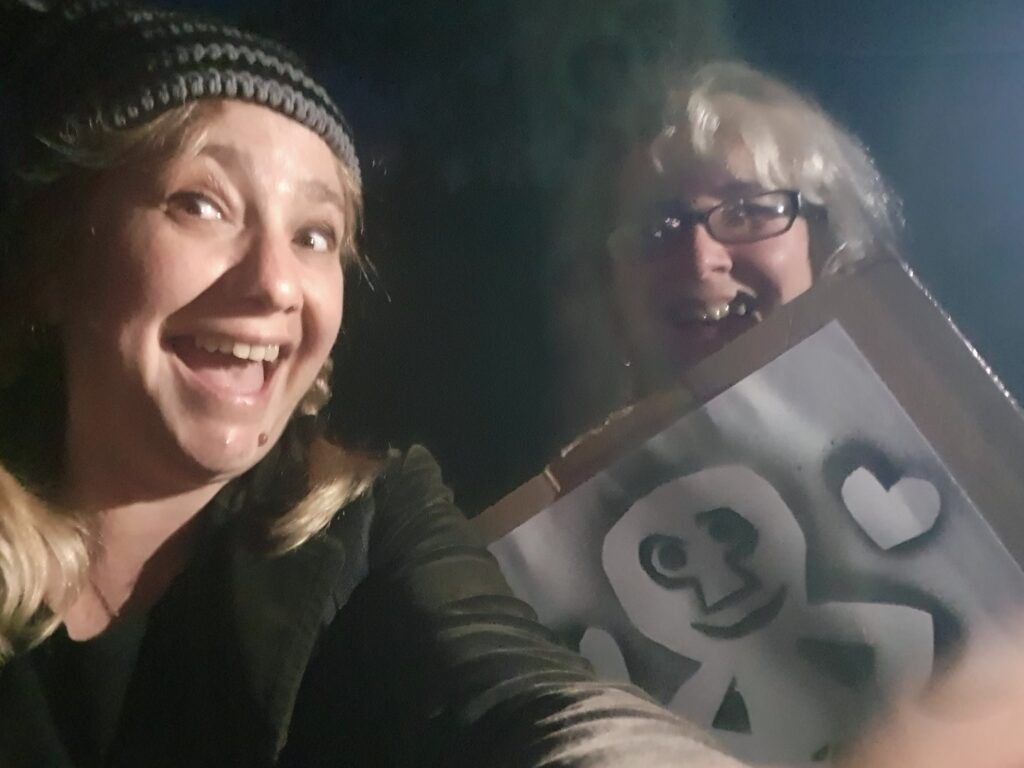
[775, 563]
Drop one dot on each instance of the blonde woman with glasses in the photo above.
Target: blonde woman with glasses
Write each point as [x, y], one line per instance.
[744, 196]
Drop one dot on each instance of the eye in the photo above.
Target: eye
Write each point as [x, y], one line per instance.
[729, 528]
[738, 214]
[319, 239]
[198, 205]
[767, 208]
[664, 559]
[761, 215]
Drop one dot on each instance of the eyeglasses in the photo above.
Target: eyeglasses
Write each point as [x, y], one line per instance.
[733, 222]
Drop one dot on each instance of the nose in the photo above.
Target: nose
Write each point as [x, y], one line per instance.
[719, 583]
[704, 256]
[267, 277]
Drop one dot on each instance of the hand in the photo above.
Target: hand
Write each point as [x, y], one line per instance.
[972, 718]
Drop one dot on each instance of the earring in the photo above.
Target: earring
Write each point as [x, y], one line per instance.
[833, 262]
[319, 394]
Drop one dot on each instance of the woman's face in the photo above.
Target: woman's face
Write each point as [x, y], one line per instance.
[684, 295]
[203, 301]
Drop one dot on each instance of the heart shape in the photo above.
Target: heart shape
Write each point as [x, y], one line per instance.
[891, 516]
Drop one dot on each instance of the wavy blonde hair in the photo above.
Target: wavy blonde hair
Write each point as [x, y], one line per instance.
[44, 550]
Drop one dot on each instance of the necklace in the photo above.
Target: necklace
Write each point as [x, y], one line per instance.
[104, 603]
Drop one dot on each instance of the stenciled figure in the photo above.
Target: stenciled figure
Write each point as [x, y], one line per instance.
[712, 566]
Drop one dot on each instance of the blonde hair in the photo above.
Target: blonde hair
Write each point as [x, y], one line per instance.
[793, 144]
[45, 551]
[43, 560]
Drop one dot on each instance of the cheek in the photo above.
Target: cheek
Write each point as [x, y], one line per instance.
[636, 293]
[141, 272]
[324, 303]
[784, 265]
[646, 284]
[628, 286]
[106, 297]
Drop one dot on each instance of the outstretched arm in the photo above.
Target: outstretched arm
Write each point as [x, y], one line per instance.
[481, 662]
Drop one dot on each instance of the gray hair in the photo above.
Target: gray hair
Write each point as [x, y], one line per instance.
[793, 144]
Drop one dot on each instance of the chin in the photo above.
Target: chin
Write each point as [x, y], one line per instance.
[674, 356]
[685, 356]
[225, 451]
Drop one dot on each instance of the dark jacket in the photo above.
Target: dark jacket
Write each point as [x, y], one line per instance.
[389, 640]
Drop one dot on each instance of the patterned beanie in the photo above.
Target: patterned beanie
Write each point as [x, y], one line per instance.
[100, 62]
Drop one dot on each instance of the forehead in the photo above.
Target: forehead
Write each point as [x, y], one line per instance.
[267, 141]
[673, 171]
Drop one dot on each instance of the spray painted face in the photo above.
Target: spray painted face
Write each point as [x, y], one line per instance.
[715, 554]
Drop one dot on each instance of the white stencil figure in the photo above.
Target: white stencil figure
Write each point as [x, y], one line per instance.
[712, 566]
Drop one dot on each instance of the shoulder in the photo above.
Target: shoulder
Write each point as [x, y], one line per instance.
[415, 511]
[411, 476]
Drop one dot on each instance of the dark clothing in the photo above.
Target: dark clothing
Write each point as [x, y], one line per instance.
[85, 684]
[391, 639]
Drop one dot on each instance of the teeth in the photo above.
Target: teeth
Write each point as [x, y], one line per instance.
[741, 306]
[713, 314]
[239, 349]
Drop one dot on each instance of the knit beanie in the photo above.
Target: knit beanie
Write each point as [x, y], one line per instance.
[103, 63]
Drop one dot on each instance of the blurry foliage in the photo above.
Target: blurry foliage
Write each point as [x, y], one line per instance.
[496, 90]
[601, 67]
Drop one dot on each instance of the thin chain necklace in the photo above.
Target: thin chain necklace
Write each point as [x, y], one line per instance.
[107, 608]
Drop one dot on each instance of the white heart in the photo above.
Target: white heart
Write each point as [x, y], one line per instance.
[891, 517]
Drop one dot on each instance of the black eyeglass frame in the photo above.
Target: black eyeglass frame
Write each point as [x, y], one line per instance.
[689, 218]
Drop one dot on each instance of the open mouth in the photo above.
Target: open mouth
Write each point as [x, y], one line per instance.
[699, 329]
[226, 365]
[743, 307]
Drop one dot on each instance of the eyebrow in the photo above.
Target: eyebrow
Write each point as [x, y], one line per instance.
[225, 154]
[314, 189]
[728, 192]
[321, 193]
[738, 187]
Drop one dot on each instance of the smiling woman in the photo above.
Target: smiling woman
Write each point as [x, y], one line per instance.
[743, 196]
[222, 245]
[747, 195]
[191, 571]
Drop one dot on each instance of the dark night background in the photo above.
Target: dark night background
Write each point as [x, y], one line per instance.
[467, 116]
